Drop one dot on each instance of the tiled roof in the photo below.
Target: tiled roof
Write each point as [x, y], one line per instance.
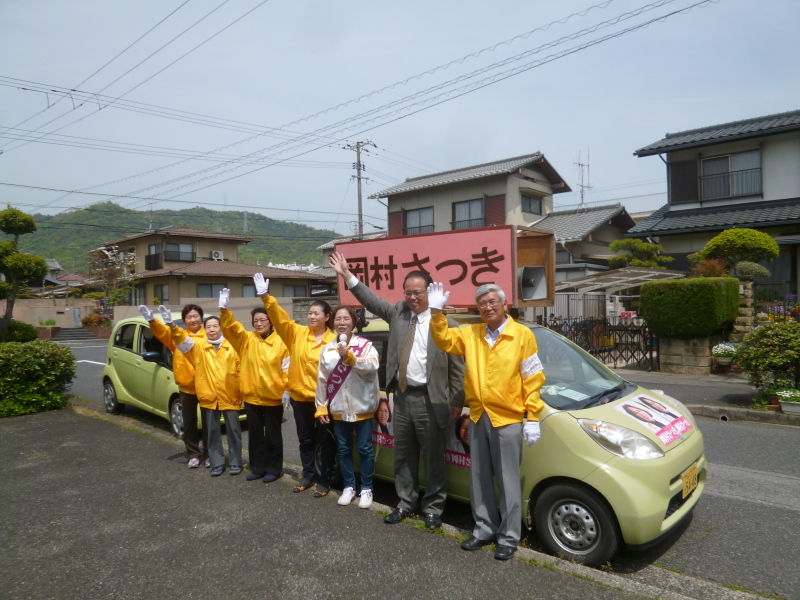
[575, 224]
[222, 268]
[752, 214]
[498, 167]
[70, 277]
[349, 238]
[52, 264]
[326, 272]
[717, 134]
[185, 231]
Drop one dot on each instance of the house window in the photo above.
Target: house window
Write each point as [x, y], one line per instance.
[419, 220]
[531, 204]
[179, 252]
[467, 215]
[209, 290]
[153, 259]
[731, 176]
[161, 292]
[294, 291]
[248, 290]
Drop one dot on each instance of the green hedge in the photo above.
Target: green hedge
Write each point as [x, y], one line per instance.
[688, 308]
[33, 377]
[21, 332]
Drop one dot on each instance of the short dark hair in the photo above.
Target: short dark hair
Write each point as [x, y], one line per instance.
[350, 310]
[210, 318]
[326, 310]
[424, 275]
[459, 423]
[258, 310]
[189, 308]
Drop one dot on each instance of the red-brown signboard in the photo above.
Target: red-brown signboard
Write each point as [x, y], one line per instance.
[461, 260]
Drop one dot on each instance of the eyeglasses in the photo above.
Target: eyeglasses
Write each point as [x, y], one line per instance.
[489, 303]
[260, 321]
[413, 293]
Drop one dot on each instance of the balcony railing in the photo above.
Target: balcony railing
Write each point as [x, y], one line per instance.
[179, 256]
[732, 184]
[152, 262]
[468, 224]
[416, 230]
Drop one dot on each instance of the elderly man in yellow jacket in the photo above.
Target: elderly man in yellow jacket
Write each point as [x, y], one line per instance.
[216, 380]
[263, 374]
[502, 383]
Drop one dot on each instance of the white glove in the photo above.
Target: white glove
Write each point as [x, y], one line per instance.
[224, 296]
[146, 313]
[437, 297]
[262, 285]
[166, 314]
[531, 432]
[286, 399]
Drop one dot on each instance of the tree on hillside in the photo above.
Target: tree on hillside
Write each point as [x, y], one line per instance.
[16, 267]
[113, 272]
[637, 254]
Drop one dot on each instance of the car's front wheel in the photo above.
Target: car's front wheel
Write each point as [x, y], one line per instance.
[576, 523]
[176, 416]
[113, 406]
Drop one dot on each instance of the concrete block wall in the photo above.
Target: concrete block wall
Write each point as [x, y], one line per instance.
[687, 356]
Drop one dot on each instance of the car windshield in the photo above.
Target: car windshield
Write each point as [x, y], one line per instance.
[575, 379]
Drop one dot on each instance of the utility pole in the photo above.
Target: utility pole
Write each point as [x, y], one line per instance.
[359, 167]
[581, 166]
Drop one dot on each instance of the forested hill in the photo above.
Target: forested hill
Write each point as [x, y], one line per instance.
[67, 237]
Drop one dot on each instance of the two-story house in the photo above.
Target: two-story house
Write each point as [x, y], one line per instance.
[181, 264]
[512, 191]
[740, 174]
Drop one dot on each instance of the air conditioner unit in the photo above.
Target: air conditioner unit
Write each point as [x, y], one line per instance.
[217, 255]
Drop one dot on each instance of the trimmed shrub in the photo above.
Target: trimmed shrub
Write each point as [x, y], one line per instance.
[735, 245]
[92, 320]
[772, 354]
[688, 308]
[21, 332]
[94, 295]
[33, 377]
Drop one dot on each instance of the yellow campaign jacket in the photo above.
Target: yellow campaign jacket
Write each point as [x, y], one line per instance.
[264, 367]
[182, 369]
[216, 371]
[503, 380]
[303, 348]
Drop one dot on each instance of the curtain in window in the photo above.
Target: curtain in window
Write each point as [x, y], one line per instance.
[746, 173]
[715, 178]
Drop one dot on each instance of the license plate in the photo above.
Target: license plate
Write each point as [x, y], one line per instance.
[689, 479]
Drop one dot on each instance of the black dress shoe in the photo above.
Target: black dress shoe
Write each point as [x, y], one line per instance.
[270, 477]
[432, 521]
[397, 515]
[254, 476]
[504, 552]
[473, 543]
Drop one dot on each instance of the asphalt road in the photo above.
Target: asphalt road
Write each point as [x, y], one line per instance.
[744, 531]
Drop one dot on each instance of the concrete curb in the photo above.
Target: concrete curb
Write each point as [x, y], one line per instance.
[731, 413]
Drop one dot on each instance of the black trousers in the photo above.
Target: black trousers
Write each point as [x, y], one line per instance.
[265, 441]
[192, 436]
[314, 438]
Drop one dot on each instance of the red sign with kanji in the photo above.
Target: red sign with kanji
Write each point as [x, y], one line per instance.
[461, 260]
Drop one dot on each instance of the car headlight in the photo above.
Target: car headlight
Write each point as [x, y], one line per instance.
[621, 440]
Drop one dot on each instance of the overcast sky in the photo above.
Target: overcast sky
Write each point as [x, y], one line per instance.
[289, 60]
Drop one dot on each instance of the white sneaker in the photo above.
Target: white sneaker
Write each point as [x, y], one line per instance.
[194, 463]
[366, 499]
[208, 463]
[347, 496]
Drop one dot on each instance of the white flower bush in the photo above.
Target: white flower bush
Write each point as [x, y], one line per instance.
[725, 349]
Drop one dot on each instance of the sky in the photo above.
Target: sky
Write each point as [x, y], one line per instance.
[249, 105]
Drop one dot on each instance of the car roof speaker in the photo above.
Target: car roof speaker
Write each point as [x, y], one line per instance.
[532, 283]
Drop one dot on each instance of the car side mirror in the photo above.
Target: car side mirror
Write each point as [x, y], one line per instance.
[153, 357]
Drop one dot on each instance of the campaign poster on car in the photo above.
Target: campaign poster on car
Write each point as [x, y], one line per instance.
[382, 428]
[457, 450]
[666, 422]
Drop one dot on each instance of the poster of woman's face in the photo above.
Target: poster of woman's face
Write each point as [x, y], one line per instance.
[667, 422]
[383, 418]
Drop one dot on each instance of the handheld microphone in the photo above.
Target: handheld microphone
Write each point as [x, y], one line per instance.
[342, 339]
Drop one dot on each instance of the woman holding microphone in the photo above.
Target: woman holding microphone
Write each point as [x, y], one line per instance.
[305, 342]
[347, 391]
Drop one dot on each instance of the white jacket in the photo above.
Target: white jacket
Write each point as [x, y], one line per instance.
[357, 398]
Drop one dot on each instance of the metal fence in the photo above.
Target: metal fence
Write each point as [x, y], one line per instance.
[613, 341]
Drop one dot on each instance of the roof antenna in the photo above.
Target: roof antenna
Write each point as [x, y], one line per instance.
[582, 185]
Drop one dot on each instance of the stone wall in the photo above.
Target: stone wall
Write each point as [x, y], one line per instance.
[690, 356]
[744, 322]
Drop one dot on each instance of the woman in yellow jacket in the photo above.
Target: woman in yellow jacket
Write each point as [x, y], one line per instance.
[217, 383]
[305, 344]
[264, 370]
[183, 372]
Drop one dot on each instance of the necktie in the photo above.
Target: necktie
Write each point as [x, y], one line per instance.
[405, 354]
